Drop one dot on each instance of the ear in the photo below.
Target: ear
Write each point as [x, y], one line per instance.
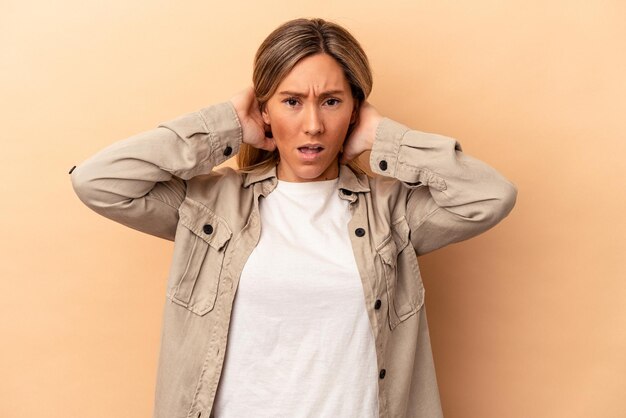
[355, 113]
[266, 116]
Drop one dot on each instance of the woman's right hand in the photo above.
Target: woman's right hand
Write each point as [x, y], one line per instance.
[252, 124]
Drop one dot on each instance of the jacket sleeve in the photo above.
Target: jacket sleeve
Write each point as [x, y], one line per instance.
[451, 195]
[140, 181]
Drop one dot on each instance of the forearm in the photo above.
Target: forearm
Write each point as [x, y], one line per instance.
[466, 196]
[138, 181]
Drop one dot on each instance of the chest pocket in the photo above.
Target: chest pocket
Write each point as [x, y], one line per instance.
[199, 247]
[405, 290]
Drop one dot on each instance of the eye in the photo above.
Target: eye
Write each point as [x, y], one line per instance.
[291, 101]
[335, 102]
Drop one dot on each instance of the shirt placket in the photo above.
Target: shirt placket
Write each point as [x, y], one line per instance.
[375, 302]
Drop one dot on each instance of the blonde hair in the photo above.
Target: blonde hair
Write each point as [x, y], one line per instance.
[282, 50]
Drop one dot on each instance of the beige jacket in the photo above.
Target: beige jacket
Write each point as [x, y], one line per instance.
[429, 194]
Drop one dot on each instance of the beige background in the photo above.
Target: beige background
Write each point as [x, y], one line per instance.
[527, 320]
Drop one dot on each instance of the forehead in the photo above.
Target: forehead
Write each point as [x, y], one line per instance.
[315, 73]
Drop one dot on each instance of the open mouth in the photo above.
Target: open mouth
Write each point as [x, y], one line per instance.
[311, 149]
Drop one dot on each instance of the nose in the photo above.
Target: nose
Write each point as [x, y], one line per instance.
[312, 121]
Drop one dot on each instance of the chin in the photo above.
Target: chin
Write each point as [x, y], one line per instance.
[308, 172]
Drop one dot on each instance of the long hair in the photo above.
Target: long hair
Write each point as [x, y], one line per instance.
[282, 50]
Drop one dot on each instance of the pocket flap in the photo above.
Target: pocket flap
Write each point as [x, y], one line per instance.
[405, 290]
[388, 251]
[204, 223]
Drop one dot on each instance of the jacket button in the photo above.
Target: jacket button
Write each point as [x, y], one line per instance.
[346, 192]
[72, 169]
[208, 229]
[383, 165]
[377, 304]
[228, 150]
[382, 374]
[359, 232]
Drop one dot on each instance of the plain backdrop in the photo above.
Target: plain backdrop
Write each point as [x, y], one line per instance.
[527, 320]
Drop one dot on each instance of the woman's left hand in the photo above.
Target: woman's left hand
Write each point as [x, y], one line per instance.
[362, 137]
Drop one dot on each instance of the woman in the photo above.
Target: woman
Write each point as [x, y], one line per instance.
[328, 318]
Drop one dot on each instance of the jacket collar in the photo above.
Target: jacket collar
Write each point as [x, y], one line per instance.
[348, 179]
[256, 177]
[351, 181]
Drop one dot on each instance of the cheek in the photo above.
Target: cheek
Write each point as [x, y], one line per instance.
[341, 129]
[286, 128]
[284, 134]
[282, 126]
[342, 121]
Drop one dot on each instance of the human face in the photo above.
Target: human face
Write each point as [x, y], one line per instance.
[309, 115]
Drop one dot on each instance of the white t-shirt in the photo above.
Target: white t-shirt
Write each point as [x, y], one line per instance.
[300, 342]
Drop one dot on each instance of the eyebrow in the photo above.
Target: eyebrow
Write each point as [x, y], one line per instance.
[324, 94]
